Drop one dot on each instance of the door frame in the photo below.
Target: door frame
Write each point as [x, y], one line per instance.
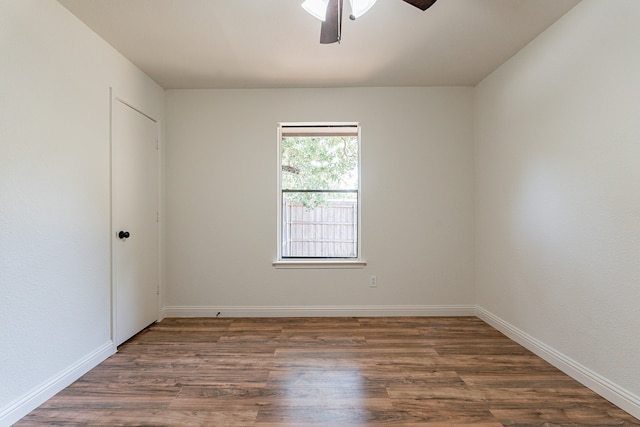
[115, 97]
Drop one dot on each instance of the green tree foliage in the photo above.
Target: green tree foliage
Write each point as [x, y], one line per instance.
[319, 163]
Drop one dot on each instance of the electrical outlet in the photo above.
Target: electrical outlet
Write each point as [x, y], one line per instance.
[373, 281]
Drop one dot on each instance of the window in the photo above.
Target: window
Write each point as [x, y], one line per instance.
[319, 192]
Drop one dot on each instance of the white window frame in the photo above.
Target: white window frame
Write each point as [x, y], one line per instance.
[357, 262]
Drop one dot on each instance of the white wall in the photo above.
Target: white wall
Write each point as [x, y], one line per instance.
[55, 76]
[417, 218]
[558, 195]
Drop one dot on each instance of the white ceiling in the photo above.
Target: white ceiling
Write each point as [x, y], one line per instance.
[275, 43]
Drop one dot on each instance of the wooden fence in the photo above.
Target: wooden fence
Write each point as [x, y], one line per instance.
[325, 231]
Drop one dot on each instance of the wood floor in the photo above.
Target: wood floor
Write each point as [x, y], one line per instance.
[405, 371]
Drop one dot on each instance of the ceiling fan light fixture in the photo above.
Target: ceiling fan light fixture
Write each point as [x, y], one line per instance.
[317, 8]
[360, 7]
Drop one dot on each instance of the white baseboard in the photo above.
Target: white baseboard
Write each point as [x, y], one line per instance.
[320, 311]
[596, 382]
[37, 396]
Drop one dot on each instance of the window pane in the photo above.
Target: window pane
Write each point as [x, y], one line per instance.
[319, 190]
[319, 224]
[321, 162]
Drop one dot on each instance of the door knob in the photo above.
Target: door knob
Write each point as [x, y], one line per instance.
[124, 234]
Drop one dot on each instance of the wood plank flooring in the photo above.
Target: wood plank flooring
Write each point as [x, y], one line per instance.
[405, 371]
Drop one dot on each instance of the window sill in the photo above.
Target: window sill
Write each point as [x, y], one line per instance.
[320, 263]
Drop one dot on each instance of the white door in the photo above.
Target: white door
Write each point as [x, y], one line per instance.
[135, 221]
